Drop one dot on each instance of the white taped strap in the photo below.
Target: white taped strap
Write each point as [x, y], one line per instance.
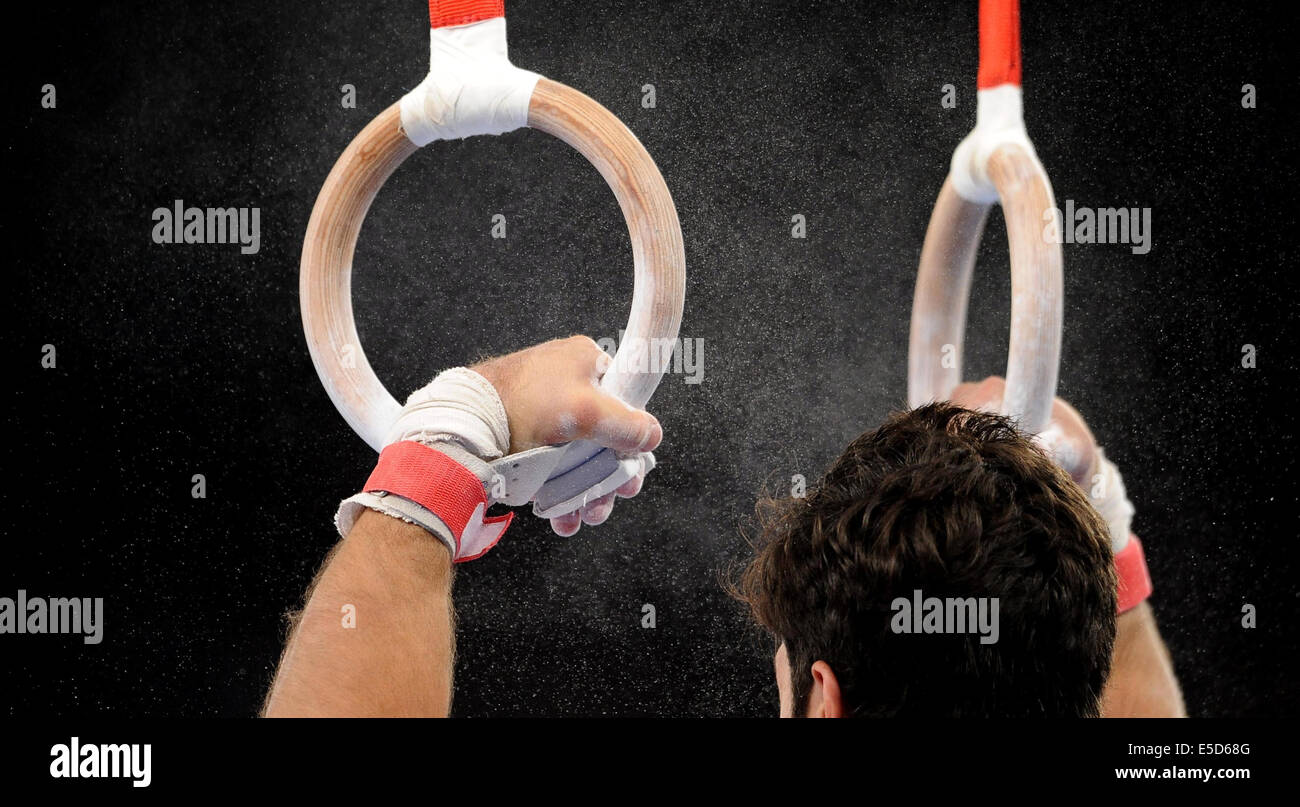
[561, 479]
[472, 88]
[1110, 498]
[599, 476]
[459, 406]
[999, 121]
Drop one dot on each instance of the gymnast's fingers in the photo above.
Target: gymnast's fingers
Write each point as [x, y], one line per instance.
[631, 487]
[604, 419]
[596, 511]
[567, 524]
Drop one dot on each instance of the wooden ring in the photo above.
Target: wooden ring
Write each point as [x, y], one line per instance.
[943, 291]
[325, 283]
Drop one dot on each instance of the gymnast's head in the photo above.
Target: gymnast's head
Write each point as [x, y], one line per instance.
[943, 566]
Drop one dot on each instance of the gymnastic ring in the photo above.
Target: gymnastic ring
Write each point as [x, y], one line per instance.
[658, 256]
[995, 163]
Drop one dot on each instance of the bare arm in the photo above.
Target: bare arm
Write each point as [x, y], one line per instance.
[393, 654]
[1142, 681]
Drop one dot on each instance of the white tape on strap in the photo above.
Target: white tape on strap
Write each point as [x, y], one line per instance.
[561, 479]
[472, 88]
[999, 121]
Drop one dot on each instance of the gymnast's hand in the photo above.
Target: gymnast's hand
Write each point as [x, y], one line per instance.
[1069, 441]
[552, 395]
[1067, 437]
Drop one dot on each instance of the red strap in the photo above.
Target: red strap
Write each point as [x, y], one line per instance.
[1134, 579]
[446, 13]
[999, 43]
[437, 483]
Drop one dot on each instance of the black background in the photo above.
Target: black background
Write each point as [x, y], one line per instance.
[175, 360]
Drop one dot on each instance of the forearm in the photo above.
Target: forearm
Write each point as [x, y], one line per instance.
[1142, 681]
[394, 657]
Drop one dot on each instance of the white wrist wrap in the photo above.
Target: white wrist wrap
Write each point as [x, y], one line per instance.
[1108, 495]
[999, 121]
[459, 406]
[472, 88]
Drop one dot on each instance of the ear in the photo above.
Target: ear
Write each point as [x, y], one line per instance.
[825, 699]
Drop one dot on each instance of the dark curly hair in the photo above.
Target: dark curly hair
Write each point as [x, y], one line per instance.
[953, 503]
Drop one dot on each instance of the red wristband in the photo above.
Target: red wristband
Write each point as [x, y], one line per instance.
[1134, 579]
[445, 488]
